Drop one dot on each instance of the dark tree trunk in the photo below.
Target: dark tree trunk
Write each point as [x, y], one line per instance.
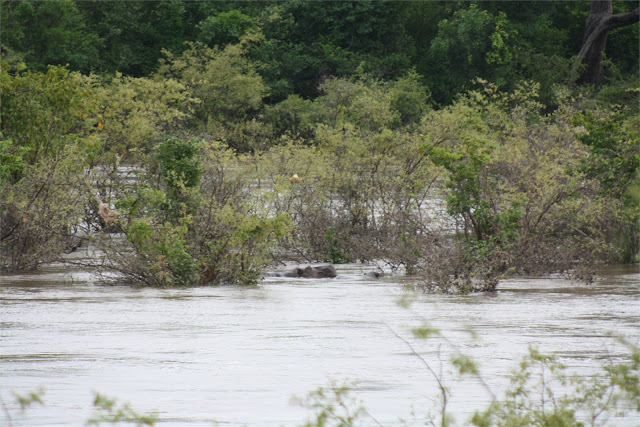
[600, 22]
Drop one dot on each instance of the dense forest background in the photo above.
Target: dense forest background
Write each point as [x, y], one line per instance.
[301, 43]
[158, 122]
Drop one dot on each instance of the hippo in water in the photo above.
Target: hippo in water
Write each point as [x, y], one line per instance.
[375, 274]
[312, 272]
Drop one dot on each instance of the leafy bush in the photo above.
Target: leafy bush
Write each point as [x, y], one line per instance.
[542, 392]
[358, 196]
[226, 84]
[134, 115]
[536, 396]
[193, 221]
[516, 190]
[43, 188]
[41, 213]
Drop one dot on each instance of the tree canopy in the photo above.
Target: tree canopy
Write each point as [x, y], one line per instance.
[302, 43]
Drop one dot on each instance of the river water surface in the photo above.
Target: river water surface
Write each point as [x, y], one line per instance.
[236, 355]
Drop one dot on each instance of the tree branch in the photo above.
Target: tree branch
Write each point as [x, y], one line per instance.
[624, 19]
[606, 24]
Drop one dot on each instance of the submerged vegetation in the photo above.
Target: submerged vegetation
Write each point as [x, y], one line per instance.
[444, 139]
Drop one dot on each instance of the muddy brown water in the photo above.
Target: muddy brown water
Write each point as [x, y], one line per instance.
[236, 355]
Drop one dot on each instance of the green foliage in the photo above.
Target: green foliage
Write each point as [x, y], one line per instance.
[223, 79]
[425, 332]
[195, 222]
[41, 212]
[465, 365]
[542, 393]
[180, 169]
[294, 116]
[42, 113]
[514, 190]
[333, 407]
[466, 196]
[12, 161]
[361, 102]
[50, 32]
[536, 395]
[489, 224]
[449, 43]
[622, 93]
[365, 186]
[500, 52]
[132, 34]
[614, 161]
[625, 377]
[358, 160]
[135, 114]
[31, 398]
[227, 85]
[614, 149]
[163, 250]
[473, 43]
[107, 410]
[45, 127]
[225, 28]
[336, 255]
[410, 98]
[305, 42]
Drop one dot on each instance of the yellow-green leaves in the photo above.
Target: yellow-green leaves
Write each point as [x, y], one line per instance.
[136, 113]
[108, 410]
[465, 365]
[30, 398]
[424, 332]
[43, 113]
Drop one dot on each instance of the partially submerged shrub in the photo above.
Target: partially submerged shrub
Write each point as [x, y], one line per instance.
[517, 193]
[187, 230]
[456, 269]
[43, 188]
[41, 214]
[352, 172]
[359, 196]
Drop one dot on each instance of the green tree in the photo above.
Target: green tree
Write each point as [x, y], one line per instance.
[473, 43]
[134, 33]
[225, 28]
[186, 228]
[229, 89]
[50, 32]
[306, 42]
[614, 161]
[45, 125]
[134, 113]
[601, 20]
[410, 98]
[42, 112]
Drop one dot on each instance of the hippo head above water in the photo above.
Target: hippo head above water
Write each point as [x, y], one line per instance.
[309, 272]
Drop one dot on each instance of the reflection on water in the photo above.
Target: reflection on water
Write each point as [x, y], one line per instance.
[237, 355]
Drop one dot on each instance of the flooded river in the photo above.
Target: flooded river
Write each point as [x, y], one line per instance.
[236, 356]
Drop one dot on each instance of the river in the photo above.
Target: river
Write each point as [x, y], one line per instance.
[236, 355]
